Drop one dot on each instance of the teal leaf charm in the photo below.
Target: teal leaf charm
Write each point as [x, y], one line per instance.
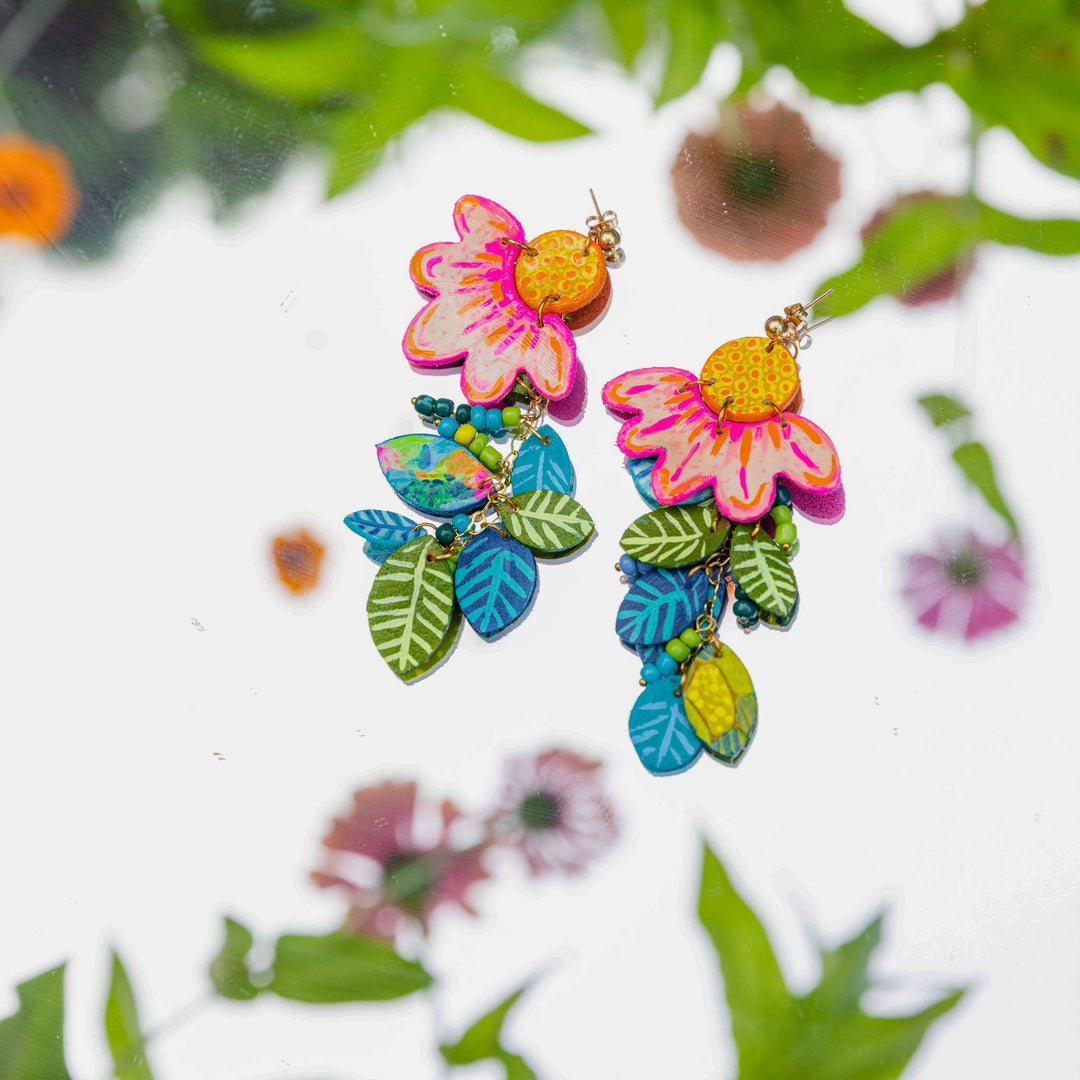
[494, 581]
[640, 470]
[660, 605]
[382, 528]
[546, 520]
[760, 567]
[410, 605]
[543, 465]
[433, 474]
[663, 738]
[675, 535]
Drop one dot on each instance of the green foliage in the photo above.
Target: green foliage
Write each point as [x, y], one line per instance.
[942, 409]
[824, 1033]
[483, 1041]
[229, 969]
[546, 520]
[32, 1041]
[762, 570]
[978, 469]
[122, 1030]
[693, 28]
[675, 535]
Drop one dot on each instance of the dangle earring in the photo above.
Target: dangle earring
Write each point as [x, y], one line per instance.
[723, 458]
[505, 306]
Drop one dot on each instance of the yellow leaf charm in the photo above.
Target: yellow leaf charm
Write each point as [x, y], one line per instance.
[721, 704]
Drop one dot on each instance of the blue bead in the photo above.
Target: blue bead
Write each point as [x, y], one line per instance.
[448, 426]
[666, 665]
[628, 565]
[650, 673]
[478, 417]
[461, 522]
[494, 419]
[643, 568]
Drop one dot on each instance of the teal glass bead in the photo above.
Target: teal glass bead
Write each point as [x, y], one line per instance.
[666, 665]
[781, 514]
[744, 609]
[783, 496]
[511, 416]
[446, 534]
[463, 413]
[424, 404]
[628, 565]
[444, 407]
[786, 533]
[494, 419]
[750, 622]
[461, 522]
[741, 593]
[448, 427]
[650, 673]
[478, 417]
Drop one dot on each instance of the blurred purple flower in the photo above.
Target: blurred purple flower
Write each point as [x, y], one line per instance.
[555, 811]
[968, 588]
[393, 873]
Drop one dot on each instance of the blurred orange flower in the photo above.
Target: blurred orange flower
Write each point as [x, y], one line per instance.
[756, 186]
[298, 560]
[38, 196]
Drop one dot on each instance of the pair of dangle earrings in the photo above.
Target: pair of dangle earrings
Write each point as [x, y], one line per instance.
[720, 457]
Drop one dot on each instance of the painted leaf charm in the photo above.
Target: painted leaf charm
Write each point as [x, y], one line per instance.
[721, 704]
[446, 647]
[649, 654]
[382, 528]
[546, 520]
[762, 570]
[494, 581]
[543, 466]
[663, 737]
[674, 535]
[433, 474]
[660, 605]
[640, 470]
[410, 605]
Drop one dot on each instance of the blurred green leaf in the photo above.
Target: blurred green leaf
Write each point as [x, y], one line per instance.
[487, 95]
[484, 1041]
[122, 1030]
[822, 1034]
[629, 23]
[229, 969]
[694, 27]
[337, 968]
[942, 409]
[978, 469]
[32, 1041]
[1051, 236]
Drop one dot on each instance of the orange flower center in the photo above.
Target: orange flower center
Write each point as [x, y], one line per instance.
[568, 272]
[751, 372]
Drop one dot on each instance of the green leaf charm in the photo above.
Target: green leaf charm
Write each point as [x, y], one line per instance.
[675, 535]
[127, 1044]
[410, 605]
[546, 520]
[761, 569]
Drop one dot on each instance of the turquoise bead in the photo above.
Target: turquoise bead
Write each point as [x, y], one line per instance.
[494, 419]
[478, 417]
[666, 665]
[650, 673]
[461, 522]
[448, 427]
[783, 496]
[444, 407]
[424, 404]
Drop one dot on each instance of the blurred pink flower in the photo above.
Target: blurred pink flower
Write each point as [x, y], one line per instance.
[554, 810]
[392, 873]
[967, 588]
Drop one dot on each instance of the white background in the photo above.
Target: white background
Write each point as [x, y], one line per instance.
[162, 415]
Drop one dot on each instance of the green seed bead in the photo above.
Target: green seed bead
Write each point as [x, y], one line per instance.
[491, 457]
[511, 416]
[478, 443]
[676, 650]
[465, 434]
[794, 549]
[781, 514]
[690, 637]
[446, 534]
[786, 533]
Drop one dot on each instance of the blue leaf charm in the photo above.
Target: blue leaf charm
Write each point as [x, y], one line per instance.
[660, 605]
[435, 475]
[382, 528]
[640, 470]
[377, 555]
[543, 467]
[494, 581]
[662, 736]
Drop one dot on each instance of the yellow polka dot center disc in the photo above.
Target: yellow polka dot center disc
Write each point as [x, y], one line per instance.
[567, 264]
[747, 372]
